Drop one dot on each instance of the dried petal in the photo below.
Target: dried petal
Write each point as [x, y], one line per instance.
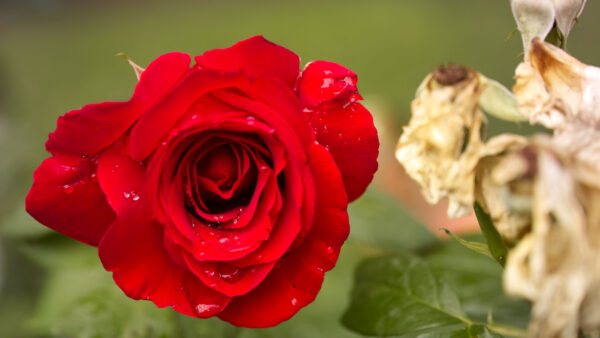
[442, 145]
[555, 89]
[557, 265]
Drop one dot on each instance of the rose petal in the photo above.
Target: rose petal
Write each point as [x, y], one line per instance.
[66, 197]
[257, 56]
[298, 276]
[325, 84]
[351, 137]
[133, 250]
[87, 130]
[227, 279]
[122, 180]
[156, 123]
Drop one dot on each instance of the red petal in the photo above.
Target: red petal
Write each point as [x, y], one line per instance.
[350, 136]
[257, 56]
[297, 278]
[157, 122]
[65, 196]
[134, 251]
[326, 84]
[227, 279]
[90, 129]
[122, 180]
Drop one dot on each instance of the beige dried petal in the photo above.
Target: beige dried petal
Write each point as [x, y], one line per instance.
[554, 89]
[442, 144]
[504, 184]
[557, 265]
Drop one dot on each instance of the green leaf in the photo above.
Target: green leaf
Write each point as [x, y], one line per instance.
[480, 248]
[378, 220]
[478, 283]
[80, 299]
[492, 237]
[400, 295]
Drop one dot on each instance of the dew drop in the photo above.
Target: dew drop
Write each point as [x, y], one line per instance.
[329, 250]
[74, 169]
[68, 189]
[204, 310]
[340, 136]
[136, 198]
[126, 194]
[195, 116]
[230, 274]
[224, 240]
[325, 129]
[210, 272]
[294, 301]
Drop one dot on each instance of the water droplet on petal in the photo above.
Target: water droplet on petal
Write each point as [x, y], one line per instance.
[329, 250]
[195, 116]
[204, 310]
[230, 274]
[136, 198]
[126, 194]
[68, 189]
[294, 301]
[224, 240]
[210, 272]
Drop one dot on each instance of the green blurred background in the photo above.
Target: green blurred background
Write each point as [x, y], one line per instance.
[59, 55]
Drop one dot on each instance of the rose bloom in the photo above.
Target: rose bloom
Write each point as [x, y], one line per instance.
[218, 189]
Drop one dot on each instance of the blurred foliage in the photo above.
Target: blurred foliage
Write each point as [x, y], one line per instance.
[59, 55]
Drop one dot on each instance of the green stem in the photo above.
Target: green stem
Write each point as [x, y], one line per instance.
[492, 237]
[506, 330]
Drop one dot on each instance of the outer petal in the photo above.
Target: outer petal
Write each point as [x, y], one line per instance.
[351, 137]
[257, 56]
[87, 130]
[133, 250]
[122, 180]
[326, 84]
[65, 196]
[156, 123]
[297, 278]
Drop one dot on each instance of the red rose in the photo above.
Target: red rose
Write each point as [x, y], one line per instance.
[217, 189]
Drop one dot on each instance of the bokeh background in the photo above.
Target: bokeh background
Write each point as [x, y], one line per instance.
[59, 55]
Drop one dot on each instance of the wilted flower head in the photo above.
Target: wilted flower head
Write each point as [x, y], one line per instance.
[555, 89]
[442, 145]
[535, 18]
[557, 265]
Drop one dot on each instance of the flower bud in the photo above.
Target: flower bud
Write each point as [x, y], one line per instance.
[535, 18]
[567, 12]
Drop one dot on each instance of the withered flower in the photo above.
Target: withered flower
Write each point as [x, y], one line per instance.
[555, 89]
[557, 265]
[442, 145]
[535, 18]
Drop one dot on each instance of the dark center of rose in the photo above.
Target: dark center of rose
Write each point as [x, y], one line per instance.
[222, 180]
[220, 166]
